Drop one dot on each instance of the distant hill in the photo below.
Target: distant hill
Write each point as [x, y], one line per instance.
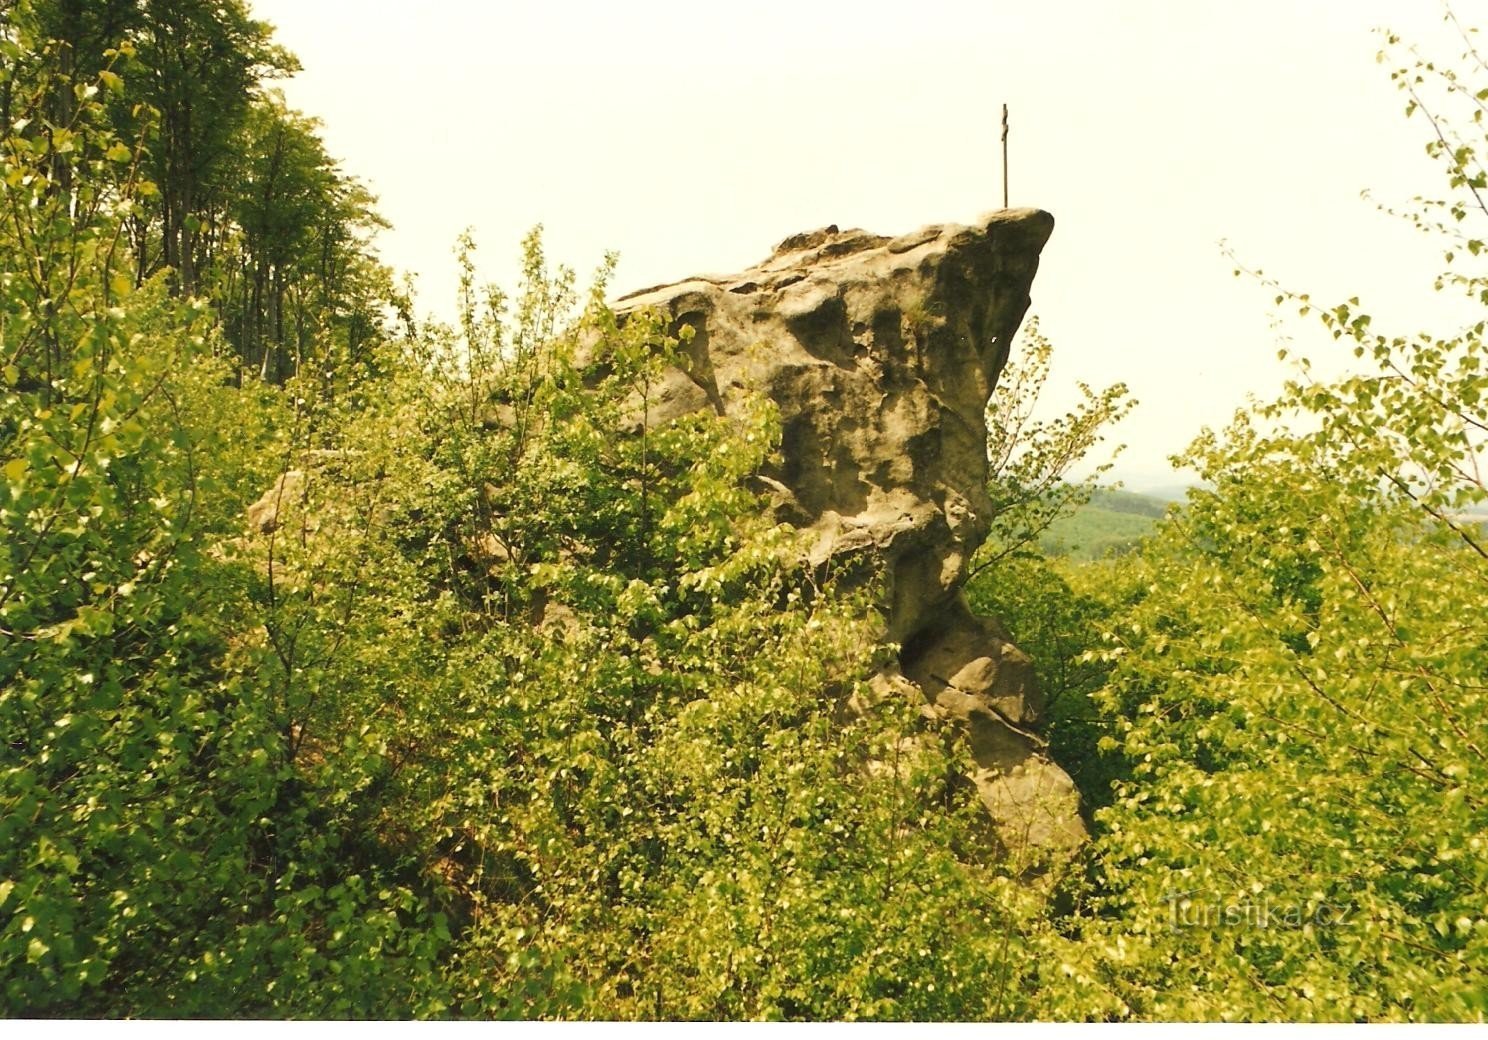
[1118, 500]
[1165, 492]
[1113, 521]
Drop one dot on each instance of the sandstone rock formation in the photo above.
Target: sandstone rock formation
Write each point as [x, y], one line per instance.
[881, 354]
[288, 492]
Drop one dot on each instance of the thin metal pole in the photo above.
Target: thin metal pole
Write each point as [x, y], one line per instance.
[1004, 157]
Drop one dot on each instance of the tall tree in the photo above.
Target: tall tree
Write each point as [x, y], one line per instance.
[200, 66]
[299, 268]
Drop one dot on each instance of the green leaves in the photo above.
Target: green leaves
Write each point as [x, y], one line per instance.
[1300, 695]
[1029, 458]
[1288, 689]
[154, 836]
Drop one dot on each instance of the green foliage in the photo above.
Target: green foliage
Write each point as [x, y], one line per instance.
[291, 265]
[229, 194]
[1030, 458]
[507, 703]
[1300, 695]
[1058, 610]
[158, 852]
[510, 701]
[1034, 502]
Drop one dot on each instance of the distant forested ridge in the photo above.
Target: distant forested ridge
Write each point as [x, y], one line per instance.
[358, 665]
[1112, 521]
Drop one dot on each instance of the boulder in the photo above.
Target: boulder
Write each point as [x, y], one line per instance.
[288, 492]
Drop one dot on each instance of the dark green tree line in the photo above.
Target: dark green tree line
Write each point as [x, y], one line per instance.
[236, 198]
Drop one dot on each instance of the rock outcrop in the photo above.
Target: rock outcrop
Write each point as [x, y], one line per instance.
[881, 354]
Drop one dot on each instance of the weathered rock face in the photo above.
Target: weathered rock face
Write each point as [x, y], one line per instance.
[881, 354]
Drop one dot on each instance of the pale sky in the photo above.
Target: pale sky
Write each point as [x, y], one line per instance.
[692, 136]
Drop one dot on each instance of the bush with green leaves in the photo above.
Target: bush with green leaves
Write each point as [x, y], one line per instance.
[1301, 692]
[1053, 609]
[159, 852]
[1032, 458]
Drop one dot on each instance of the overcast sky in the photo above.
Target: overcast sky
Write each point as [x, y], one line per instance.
[692, 136]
